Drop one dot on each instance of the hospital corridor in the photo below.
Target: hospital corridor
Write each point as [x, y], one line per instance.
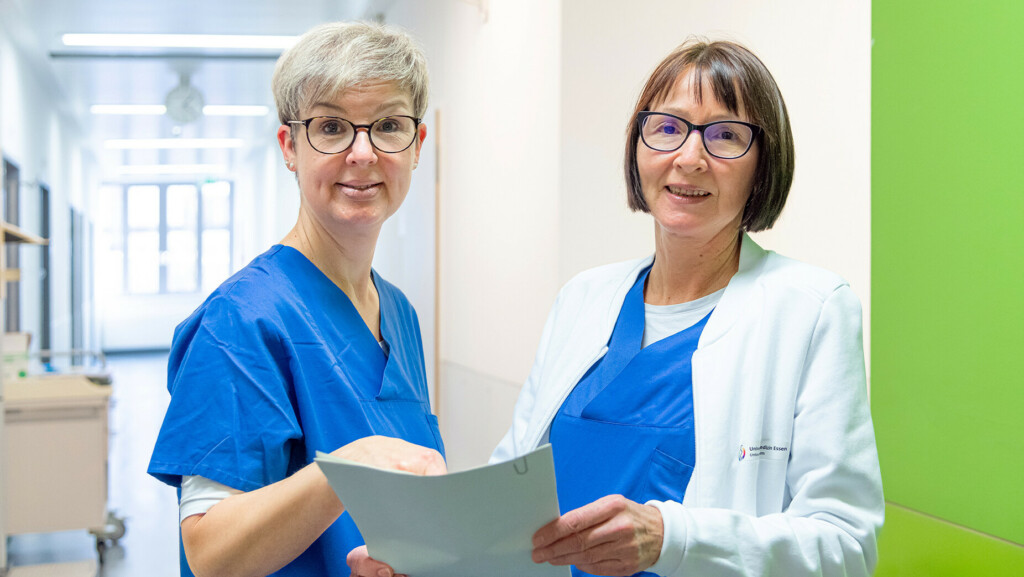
[669, 287]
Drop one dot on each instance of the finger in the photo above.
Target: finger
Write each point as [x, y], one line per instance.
[578, 520]
[357, 555]
[585, 540]
[422, 461]
[608, 559]
[435, 464]
[362, 565]
[614, 568]
[600, 554]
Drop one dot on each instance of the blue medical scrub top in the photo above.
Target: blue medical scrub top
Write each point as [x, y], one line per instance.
[276, 365]
[627, 426]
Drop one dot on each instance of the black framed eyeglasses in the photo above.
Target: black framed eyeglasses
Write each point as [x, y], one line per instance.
[726, 139]
[333, 135]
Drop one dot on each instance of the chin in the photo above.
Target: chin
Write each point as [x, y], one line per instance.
[366, 216]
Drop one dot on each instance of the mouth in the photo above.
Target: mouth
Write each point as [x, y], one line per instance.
[359, 188]
[687, 192]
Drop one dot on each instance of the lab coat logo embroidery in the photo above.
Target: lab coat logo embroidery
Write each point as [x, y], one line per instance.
[763, 450]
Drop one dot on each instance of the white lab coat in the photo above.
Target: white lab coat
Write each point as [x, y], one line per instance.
[786, 480]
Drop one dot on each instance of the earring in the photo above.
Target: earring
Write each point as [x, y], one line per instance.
[415, 164]
[291, 165]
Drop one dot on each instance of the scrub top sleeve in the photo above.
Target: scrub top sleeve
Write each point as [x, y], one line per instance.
[231, 417]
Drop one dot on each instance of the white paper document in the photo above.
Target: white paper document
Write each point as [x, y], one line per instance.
[472, 523]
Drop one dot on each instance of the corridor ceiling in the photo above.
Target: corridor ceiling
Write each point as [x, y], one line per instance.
[89, 76]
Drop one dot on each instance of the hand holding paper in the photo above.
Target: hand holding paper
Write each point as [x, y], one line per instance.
[391, 453]
[611, 536]
[360, 564]
[471, 523]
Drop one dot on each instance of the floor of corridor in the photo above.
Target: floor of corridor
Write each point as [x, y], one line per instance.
[150, 545]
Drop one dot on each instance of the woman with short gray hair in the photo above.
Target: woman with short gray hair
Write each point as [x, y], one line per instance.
[307, 348]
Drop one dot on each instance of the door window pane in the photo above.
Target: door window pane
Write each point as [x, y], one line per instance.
[182, 206]
[217, 205]
[216, 258]
[155, 232]
[181, 261]
[143, 207]
[144, 262]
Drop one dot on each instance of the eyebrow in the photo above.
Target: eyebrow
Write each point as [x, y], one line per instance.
[727, 115]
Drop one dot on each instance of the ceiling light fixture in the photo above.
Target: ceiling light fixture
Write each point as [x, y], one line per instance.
[234, 110]
[152, 169]
[160, 109]
[173, 143]
[224, 41]
[129, 109]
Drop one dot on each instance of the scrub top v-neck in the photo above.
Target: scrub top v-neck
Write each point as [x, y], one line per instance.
[627, 426]
[278, 364]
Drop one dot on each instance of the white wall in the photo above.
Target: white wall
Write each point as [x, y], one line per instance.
[496, 84]
[541, 196]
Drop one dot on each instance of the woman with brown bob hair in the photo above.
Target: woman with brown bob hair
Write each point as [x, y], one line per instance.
[706, 405]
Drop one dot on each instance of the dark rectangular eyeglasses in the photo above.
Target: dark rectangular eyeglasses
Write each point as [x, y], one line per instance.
[722, 139]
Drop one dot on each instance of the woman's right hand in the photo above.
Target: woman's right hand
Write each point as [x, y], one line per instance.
[362, 565]
[391, 453]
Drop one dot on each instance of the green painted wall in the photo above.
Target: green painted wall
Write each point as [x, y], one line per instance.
[918, 546]
[948, 267]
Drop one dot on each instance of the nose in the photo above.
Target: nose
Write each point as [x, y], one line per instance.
[691, 156]
[362, 151]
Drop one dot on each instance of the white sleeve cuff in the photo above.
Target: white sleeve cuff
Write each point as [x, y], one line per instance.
[199, 495]
[673, 543]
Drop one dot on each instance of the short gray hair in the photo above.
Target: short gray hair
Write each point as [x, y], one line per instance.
[332, 57]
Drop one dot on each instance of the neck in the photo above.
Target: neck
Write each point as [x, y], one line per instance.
[686, 269]
[345, 259]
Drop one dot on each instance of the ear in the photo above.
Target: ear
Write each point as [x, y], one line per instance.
[284, 140]
[420, 137]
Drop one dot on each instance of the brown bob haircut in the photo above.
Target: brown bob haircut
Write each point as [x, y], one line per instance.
[734, 75]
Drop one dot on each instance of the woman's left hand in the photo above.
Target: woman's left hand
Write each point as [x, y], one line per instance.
[611, 536]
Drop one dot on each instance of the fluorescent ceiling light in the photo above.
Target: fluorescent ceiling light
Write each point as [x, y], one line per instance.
[234, 110]
[160, 109]
[130, 109]
[240, 42]
[150, 169]
[173, 143]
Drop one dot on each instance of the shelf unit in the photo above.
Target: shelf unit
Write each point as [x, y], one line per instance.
[13, 235]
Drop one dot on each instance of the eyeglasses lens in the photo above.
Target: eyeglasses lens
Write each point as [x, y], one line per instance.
[393, 134]
[728, 139]
[664, 133]
[330, 135]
